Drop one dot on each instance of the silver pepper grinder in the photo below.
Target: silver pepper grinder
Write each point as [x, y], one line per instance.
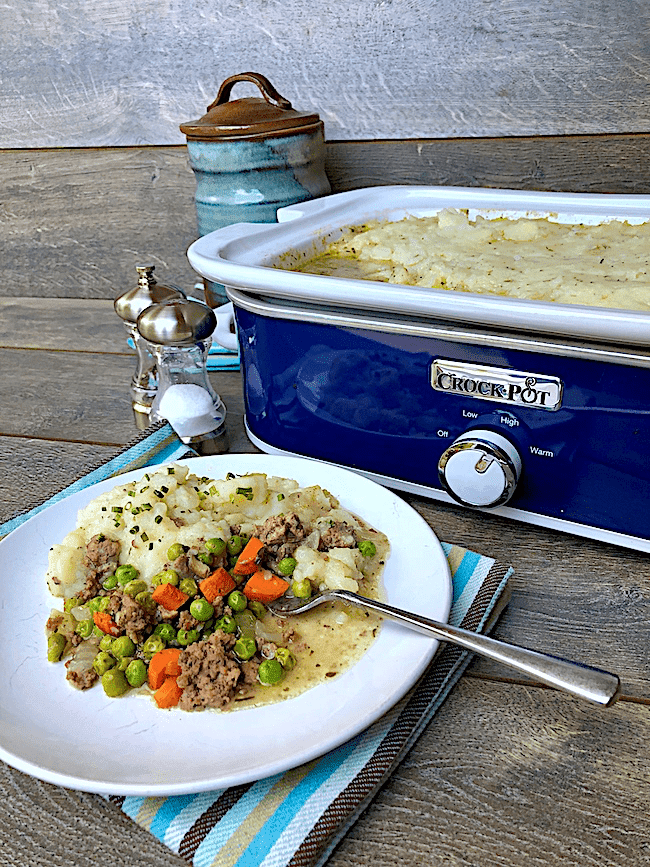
[128, 306]
[179, 334]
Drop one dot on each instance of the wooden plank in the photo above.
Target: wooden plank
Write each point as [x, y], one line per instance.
[81, 219]
[110, 73]
[84, 397]
[63, 324]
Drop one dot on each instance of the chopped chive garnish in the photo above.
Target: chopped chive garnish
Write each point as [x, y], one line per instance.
[246, 492]
[131, 493]
[170, 471]
[144, 537]
[158, 519]
[164, 488]
[134, 530]
[147, 476]
[117, 509]
[214, 491]
[159, 494]
[280, 497]
[150, 546]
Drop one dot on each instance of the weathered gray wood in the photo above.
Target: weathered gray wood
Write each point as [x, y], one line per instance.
[83, 397]
[85, 326]
[110, 73]
[78, 221]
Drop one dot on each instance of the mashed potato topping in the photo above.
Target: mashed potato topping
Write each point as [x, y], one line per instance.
[604, 265]
[159, 564]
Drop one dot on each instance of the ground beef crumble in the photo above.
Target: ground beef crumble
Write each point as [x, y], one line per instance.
[339, 535]
[130, 617]
[100, 560]
[280, 535]
[209, 673]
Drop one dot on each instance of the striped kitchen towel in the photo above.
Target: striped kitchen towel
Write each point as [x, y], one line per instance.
[296, 818]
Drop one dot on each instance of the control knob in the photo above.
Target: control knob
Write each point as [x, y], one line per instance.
[480, 468]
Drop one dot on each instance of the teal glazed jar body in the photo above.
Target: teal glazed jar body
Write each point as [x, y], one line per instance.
[250, 157]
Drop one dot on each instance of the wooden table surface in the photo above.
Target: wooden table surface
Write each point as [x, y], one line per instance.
[508, 772]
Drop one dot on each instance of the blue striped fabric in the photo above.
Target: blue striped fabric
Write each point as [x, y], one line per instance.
[294, 819]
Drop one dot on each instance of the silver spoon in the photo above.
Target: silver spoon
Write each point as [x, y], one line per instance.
[586, 682]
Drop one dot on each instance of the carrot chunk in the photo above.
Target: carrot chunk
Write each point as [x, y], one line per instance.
[163, 664]
[264, 586]
[105, 623]
[169, 596]
[246, 562]
[168, 694]
[218, 583]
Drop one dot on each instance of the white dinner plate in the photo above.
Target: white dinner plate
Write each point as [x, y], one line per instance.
[127, 746]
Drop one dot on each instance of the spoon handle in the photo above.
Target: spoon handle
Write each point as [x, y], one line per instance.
[592, 684]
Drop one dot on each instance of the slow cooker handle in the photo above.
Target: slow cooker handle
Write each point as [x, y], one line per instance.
[225, 322]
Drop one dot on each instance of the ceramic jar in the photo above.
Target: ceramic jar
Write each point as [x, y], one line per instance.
[250, 157]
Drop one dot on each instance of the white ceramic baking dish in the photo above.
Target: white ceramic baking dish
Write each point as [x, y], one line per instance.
[251, 256]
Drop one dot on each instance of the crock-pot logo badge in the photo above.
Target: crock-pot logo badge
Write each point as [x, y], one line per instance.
[497, 384]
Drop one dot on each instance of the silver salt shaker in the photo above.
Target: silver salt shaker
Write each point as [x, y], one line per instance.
[179, 334]
[128, 306]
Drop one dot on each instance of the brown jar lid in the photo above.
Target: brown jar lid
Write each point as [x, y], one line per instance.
[251, 117]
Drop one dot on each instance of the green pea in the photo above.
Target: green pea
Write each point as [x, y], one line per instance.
[187, 636]
[126, 573]
[55, 646]
[270, 672]
[237, 601]
[367, 548]
[189, 586]
[166, 631]
[301, 589]
[215, 546]
[201, 609]
[152, 645]
[205, 558]
[226, 624]
[124, 663]
[122, 646]
[136, 672]
[106, 642]
[97, 632]
[287, 565]
[70, 603]
[85, 628]
[146, 601]
[168, 576]
[174, 551]
[134, 587]
[235, 545]
[114, 683]
[286, 658]
[110, 583]
[99, 603]
[257, 608]
[245, 648]
[103, 662]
